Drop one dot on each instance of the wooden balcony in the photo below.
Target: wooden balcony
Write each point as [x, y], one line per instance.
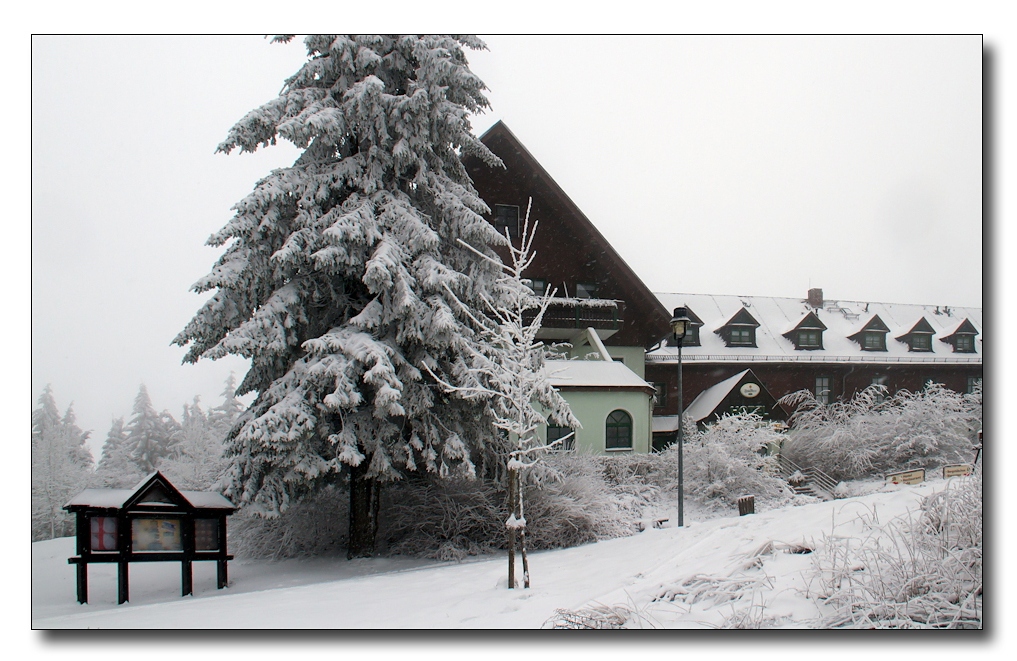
[566, 316]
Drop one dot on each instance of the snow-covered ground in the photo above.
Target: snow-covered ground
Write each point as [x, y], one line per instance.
[741, 566]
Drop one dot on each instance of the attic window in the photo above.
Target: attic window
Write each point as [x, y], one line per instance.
[964, 344]
[506, 217]
[586, 290]
[740, 330]
[742, 336]
[919, 338]
[874, 341]
[810, 339]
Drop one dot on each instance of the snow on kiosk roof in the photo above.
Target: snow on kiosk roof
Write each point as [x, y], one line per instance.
[153, 522]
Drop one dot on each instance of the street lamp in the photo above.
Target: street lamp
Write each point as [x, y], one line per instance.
[680, 327]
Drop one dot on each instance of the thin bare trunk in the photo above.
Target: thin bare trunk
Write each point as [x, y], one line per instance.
[513, 480]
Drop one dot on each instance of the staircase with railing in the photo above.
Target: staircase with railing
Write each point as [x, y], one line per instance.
[814, 482]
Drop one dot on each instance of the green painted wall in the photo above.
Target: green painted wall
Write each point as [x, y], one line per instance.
[592, 408]
[633, 357]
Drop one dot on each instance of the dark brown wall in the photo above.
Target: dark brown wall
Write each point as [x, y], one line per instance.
[782, 379]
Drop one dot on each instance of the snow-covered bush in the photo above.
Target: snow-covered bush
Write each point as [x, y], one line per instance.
[869, 435]
[918, 572]
[579, 505]
[443, 519]
[723, 461]
[571, 504]
[315, 526]
[729, 458]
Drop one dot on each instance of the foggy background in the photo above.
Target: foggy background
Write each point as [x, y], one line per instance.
[716, 165]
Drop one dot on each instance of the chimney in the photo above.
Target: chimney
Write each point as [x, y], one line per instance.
[816, 298]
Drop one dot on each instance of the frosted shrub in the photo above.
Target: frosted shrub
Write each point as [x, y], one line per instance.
[578, 505]
[729, 459]
[869, 435]
[918, 572]
[314, 526]
[443, 519]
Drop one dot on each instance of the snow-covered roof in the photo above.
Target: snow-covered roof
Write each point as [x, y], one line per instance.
[593, 374]
[708, 400]
[116, 498]
[842, 319]
[665, 423]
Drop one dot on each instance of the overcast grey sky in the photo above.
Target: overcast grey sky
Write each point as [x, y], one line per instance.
[727, 165]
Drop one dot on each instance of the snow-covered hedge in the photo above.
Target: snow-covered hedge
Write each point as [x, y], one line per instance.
[725, 460]
[871, 434]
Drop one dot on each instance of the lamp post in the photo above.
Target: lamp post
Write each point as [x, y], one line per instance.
[680, 326]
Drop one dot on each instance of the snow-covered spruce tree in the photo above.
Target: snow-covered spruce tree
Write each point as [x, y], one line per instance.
[150, 435]
[197, 460]
[340, 273]
[507, 370]
[117, 468]
[61, 466]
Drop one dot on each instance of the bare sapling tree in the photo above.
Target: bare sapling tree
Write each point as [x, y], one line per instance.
[508, 370]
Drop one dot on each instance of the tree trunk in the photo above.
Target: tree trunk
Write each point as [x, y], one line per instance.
[365, 495]
[512, 481]
[522, 535]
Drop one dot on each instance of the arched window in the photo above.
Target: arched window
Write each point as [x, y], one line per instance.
[555, 433]
[618, 430]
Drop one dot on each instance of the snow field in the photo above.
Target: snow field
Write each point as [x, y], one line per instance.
[733, 571]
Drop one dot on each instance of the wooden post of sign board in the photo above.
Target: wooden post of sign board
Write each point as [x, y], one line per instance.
[123, 589]
[82, 570]
[186, 578]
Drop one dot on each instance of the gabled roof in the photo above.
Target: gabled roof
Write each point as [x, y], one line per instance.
[154, 486]
[708, 400]
[742, 318]
[875, 325]
[646, 320]
[840, 317]
[964, 328]
[920, 326]
[810, 322]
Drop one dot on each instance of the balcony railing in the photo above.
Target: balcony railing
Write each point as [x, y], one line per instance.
[580, 313]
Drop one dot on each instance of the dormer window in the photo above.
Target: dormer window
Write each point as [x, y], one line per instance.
[808, 334]
[962, 339]
[506, 217]
[873, 341]
[742, 335]
[872, 337]
[919, 338]
[740, 330]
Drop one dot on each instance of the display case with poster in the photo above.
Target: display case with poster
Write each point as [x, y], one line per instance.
[153, 522]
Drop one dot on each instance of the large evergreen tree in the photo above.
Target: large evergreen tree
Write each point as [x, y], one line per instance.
[61, 466]
[338, 275]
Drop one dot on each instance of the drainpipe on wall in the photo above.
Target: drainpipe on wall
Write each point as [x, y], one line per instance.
[843, 382]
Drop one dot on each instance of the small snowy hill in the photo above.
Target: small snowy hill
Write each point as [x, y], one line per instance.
[752, 571]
